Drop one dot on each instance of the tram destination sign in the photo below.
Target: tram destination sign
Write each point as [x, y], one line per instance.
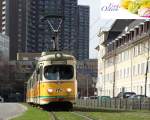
[59, 62]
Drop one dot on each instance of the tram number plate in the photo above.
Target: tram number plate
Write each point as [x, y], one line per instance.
[59, 62]
[58, 90]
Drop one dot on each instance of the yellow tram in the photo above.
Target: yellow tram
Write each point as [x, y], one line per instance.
[54, 80]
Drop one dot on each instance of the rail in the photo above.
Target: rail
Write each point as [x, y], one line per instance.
[53, 116]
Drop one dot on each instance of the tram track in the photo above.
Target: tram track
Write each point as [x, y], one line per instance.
[83, 116]
[74, 114]
[53, 116]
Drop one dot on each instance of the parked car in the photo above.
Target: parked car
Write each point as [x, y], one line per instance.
[137, 97]
[93, 97]
[104, 98]
[125, 94]
[1, 99]
[84, 98]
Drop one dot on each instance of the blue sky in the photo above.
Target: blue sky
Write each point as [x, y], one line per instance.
[95, 23]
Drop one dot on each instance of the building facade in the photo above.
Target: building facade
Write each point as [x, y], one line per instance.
[83, 32]
[4, 47]
[126, 61]
[20, 71]
[39, 36]
[4, 63]
[17, 27]
[87, 77]
[21, 21]
[4, 17]
[100, 85]
[13, 24]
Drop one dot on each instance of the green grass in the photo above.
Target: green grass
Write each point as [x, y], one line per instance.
[34, 114]
[37, 114]
[68, 116]
[133, 115]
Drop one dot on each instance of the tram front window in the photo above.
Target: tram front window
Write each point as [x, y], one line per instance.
[58, 72]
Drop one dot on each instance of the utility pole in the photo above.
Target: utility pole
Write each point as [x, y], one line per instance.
[114, 73]
[147, 67]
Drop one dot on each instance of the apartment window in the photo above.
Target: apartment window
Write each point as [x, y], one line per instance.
[127, 37]
[121, 75]
[111, 77]
[125, 73]
[128, 72]
[137, 31]
[132, 35]
[143, 68]
[126, 55]
[143, 45]
[141, 90]
[117, 75]
[148, 66]
[139, 49]
[139, 68]
[123, 40]
[146, 26]
[134, 70]
[149, 87]
[136, 50]
[141, 29]
[122, 56]
[117, 59]
[117, 44]
[19, 9]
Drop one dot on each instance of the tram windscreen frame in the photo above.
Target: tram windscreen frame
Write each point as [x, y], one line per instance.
[59, 72]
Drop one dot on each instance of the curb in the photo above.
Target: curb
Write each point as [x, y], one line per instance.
[24, 110]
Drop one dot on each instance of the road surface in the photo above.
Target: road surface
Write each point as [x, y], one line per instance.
[9, 110]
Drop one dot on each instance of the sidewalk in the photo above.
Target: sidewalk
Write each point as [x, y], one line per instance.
[11, 110]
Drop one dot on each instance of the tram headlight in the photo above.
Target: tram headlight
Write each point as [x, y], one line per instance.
[50, 90]
[58, 55]
[69, 90]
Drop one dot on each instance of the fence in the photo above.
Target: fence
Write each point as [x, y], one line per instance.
[121, 104]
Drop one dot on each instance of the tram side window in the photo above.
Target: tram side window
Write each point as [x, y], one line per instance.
[37, 74]
[40, 73]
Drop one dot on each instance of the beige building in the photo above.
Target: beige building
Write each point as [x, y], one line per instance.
[125, 64]
[101, 52]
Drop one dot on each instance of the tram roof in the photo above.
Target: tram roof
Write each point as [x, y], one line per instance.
[56, 55]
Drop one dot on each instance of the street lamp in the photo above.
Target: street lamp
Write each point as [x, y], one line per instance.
[94, 86]
[87, 86]
[87, 80]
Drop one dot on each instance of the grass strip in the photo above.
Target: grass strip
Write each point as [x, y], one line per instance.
[33, 114]
[135, 115]
[68, 116]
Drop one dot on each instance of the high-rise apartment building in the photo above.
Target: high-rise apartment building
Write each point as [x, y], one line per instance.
[1, 16]
[4, 18]
[20, 19]
[83, 32]
[39, 37]
[13, 24]
[38, 34]
[17, 27]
